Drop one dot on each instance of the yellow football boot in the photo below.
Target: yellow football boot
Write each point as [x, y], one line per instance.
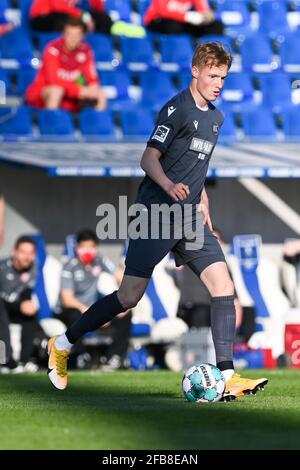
[57, 365]
[239, 386]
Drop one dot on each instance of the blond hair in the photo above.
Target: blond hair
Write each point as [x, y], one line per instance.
[212, 54]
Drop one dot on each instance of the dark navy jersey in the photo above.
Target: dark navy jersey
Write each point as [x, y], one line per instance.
[186, 136]
[13, 282]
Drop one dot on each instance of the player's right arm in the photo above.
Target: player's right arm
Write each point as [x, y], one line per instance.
[151, 165]
[170, 122]
[69, 300]
[67, 292]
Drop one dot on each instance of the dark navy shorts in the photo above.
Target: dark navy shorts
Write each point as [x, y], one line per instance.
[143, 255]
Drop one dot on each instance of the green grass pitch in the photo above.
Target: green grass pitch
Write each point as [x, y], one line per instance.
[144, 410]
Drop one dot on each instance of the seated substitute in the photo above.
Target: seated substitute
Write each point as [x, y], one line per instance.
[85, 279]
[67, 78]
[194, 17]
[51, 15]
[17, 280]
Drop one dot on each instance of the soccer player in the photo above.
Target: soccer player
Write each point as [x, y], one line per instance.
[175, 162]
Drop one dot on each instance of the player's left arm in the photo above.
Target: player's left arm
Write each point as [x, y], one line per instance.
[204, 208]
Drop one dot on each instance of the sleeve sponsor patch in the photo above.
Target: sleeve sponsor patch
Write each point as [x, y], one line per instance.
[161, 133]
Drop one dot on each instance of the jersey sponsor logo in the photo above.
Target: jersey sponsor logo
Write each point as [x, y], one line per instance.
[161, 133]
[171, 110]
[215, 128]
[70, 76]
[196, 124]
[202, 146]
[179, 6]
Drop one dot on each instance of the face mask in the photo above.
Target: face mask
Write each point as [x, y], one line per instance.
[86, 255]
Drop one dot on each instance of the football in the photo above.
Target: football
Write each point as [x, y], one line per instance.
[203, 383]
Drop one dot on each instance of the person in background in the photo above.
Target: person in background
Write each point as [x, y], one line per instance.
[17, 280]
[68, 78]
[51, 15]
[193, 17]
[81, 287]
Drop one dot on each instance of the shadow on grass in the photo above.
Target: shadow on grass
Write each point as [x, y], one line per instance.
[141, 411]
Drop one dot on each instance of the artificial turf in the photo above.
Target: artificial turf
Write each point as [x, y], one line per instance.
[144, 410]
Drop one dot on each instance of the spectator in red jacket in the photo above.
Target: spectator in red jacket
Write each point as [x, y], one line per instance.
[51, 15]
[176, 17]
[67, 78]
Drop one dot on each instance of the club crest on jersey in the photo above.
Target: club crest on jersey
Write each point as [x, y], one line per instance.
[215, 128]
[171, 110]
[161, 133]
[81, 57]
[196, 124]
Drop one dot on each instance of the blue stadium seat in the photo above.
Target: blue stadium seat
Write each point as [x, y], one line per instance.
[176, 52]
[225, 40]
[5, 78]
[15, 122]
[184, 78]
[116, 84]
[16, 45]
[256, 54]
[45, 38]
[55, 123]
[84, 5]
[102, 47]
[290, 53]
[25, 76]
[25, 7]
[157, 88]
[137, 122]
[142, 6]
[238, 88]
[259, 123]
[4, 5]
[96, 123]
[228, 130]
[276, 90]
[291, 123]
[119, 9]
[235, 16]
[137, 53]
[273, 18]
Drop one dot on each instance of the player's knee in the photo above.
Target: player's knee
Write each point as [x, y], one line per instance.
[54, 90]
[223, 288]
[128, 299]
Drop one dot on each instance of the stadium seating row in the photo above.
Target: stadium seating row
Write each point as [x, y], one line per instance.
[153, 88]
[137, 124]
[254, 53]
[273, 16]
